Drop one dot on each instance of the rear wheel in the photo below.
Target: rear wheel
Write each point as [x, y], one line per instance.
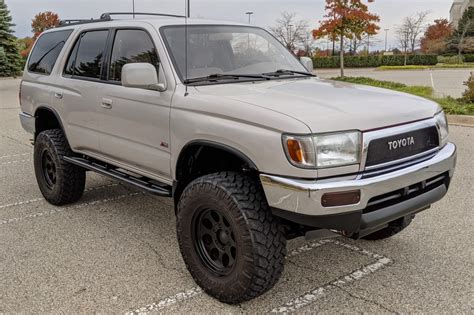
[60, 182]
[232, 245]
[393, 228]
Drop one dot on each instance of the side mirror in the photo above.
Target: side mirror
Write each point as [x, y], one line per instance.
[307, 63]
[142, 76]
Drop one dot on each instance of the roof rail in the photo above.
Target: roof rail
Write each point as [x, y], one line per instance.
[63, 23]
[109, 14]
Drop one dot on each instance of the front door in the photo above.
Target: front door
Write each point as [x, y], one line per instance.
[134, 123]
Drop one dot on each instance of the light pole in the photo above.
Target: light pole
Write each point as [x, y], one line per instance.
[249, 14]
[386, 38]
[188, 8]
[133, 8]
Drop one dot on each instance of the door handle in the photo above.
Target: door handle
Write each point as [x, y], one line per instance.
[58, 95]
[106, 103]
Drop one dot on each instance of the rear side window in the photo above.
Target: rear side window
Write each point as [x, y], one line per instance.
[131, 46]
[46, 51]
[87, 56]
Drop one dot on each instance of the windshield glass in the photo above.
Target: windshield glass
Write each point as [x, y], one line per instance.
[226, 50]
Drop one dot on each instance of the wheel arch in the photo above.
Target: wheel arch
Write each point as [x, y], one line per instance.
[191, 162]
[47, 118]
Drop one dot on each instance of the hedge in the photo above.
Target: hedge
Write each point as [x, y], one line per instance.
[375, 61]
[469, 58]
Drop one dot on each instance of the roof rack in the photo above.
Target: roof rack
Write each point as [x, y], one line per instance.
[108, 17]
[109, 14]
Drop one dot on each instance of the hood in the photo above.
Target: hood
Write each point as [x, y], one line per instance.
[326, 106]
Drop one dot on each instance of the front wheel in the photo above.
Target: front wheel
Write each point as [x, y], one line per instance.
[232, 245]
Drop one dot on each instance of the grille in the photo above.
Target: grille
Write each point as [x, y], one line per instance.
[402, 146]
[406, 193]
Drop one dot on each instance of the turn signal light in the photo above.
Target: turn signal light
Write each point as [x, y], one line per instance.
[340, 199]
[294, 150]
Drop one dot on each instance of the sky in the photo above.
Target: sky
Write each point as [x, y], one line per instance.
[266, 12]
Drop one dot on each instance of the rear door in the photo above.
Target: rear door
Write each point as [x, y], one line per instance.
[134, 122]
[77, 91]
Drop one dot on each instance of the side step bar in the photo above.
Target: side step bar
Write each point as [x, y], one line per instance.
[145, 184]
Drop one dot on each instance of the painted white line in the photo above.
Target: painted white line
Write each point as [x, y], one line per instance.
[39, 199]
[15, 162]
[14, 155]
[185, 295]
[432, 80]
[59, 210]
[178, 297]
[311, 296]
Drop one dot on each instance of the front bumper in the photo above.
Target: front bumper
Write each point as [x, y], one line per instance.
[299, 200]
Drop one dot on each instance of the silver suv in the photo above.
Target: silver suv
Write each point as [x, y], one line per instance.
[252, 147]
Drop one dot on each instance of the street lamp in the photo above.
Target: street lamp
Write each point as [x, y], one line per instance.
[249, 14]
[386, 38]
[133, 8]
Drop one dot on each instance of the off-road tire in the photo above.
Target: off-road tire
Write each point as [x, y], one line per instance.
[69, 180]
[393, 228]
[259, 239]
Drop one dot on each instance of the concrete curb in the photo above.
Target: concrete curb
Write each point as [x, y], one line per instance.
[464, 120]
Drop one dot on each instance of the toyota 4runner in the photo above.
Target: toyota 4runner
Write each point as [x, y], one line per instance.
[252, 147]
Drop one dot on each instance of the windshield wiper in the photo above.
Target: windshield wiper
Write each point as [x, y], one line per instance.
[287, 72]
[216, 77]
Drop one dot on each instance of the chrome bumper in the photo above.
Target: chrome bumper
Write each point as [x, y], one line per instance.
[304, 196]
[28, 122]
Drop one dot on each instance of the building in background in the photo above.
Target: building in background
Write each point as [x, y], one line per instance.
[458, 8]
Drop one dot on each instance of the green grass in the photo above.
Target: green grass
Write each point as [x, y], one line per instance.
[388, 68]
[466, 65]
[451, 105]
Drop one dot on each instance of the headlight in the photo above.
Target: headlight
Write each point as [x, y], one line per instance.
[443, 128]
[323, 150]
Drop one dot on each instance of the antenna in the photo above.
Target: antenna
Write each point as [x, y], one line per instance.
[187, 15]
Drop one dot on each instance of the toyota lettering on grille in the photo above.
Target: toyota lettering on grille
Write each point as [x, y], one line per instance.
[401, 143]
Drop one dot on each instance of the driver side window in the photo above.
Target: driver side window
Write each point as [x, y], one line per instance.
[131, 46]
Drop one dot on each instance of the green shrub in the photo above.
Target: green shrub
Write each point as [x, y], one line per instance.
[468, 96]
[452, 60]
[374, 61]
[469, 58]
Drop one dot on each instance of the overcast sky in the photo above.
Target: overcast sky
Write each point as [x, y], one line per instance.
[266, 11]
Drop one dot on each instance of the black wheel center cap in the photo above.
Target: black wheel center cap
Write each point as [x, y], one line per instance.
[223, 237]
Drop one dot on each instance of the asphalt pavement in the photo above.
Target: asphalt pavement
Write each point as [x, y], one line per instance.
[115, 251]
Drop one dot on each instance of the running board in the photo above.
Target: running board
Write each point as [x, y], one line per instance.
[145, 184]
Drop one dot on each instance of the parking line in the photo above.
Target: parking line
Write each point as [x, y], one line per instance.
[302, 300]
[14, 155]
[39, 199]
[59, 210]
[311, 296]
[15, 162]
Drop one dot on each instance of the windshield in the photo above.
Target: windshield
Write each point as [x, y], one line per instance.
[226, 50]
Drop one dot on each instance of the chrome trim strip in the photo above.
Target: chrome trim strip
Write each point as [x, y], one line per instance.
[367, 138]
[304, 196]
[28, 122]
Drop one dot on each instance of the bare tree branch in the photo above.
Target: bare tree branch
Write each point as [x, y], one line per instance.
[290, 31]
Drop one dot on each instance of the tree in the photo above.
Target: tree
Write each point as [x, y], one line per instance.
[44, 21]
[436, 36]
[347, 19]
[409, 32]
[289, 31]
[25, 44]
[462, 37]
[9, 54]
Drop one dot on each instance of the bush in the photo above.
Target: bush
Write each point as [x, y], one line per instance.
[469, 58]
[468, 96]
[375, 61]
[452, 60]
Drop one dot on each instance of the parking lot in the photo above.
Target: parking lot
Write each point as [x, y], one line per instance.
[445, 82]
[115, 251]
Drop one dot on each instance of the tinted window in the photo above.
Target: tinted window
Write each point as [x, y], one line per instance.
[87, 55]
[46, 51]
[131, 46]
